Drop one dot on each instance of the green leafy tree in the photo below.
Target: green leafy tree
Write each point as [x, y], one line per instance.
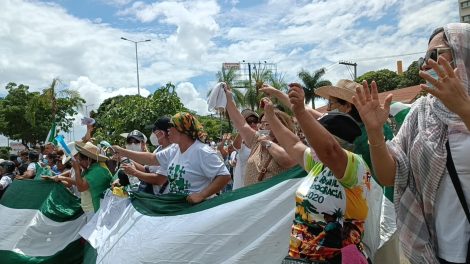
[214, 126]
[311, 82]
[122, 114]
[386, 80]
[27, 116]
[411, 77]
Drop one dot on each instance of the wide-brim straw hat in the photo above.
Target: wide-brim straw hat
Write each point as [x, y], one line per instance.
[90, 150]
[344, 89]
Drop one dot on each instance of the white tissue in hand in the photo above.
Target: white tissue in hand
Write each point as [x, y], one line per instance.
[217, 100]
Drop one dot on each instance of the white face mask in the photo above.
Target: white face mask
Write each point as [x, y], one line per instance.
[336, 110]
[154, 140]
[134, 147]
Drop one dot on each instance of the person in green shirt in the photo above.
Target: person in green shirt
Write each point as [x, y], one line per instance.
[92, 177]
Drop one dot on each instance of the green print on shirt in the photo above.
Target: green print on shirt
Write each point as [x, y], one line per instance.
[176, 181]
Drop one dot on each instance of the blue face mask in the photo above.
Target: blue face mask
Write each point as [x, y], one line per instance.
[45, 161]
[434, 75]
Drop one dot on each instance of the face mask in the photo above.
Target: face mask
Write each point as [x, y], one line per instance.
[336, 110]
[134, 147]
[45, 161]
[434, 75]
[154, 140]
[19, 160]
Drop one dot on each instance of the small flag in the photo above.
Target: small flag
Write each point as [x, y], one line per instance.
[52, 134]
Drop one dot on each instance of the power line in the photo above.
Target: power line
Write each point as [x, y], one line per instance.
[387, 57]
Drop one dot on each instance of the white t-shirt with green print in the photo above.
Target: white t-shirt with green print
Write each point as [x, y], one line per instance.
[193, 170]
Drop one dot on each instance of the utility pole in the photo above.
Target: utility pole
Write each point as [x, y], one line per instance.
[350, 63]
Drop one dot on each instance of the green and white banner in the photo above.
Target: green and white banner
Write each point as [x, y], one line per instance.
[39, 223]
[42, 222]
[250, 225]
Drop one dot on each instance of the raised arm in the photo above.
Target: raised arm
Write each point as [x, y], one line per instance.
[326, 147]
[292, 145]
[246, 132]
[374, 117]
[284, 99]
[146, 158]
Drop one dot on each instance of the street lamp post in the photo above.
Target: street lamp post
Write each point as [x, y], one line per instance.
[136, 59]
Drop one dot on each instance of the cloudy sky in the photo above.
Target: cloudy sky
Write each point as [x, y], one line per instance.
[80, 41]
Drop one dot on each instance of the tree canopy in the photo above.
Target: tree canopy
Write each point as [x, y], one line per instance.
[27, 116]
[122, 114]
[388, 80]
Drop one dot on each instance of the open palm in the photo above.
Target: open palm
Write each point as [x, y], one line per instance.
[368, 105]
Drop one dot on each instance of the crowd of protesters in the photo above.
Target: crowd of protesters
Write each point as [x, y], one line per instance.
[342, 151]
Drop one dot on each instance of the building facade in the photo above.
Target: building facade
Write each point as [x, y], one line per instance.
[464, 11]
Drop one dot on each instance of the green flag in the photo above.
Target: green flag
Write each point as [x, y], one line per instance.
[52, 134]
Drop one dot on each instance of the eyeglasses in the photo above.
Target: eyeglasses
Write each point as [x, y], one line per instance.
[432, 54]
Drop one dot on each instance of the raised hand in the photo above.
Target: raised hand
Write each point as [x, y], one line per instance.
[449, 88]
[268, 106]
[297, 97]
[268, 90]
[228, 92]
[368, 105]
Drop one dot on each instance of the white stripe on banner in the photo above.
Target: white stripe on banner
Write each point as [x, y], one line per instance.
[31, 233]
[254, 229]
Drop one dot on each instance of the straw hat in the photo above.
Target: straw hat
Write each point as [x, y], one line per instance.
[344, 89]
[90, 150]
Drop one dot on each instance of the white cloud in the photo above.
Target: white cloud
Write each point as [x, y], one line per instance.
[42, 41]
[191, 98]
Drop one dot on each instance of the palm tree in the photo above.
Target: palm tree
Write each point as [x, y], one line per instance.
[311, 83]
[50, 96]
[259, 75]
[228, 77]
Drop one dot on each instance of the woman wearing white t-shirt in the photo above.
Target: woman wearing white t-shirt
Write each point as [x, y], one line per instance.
[193, 168]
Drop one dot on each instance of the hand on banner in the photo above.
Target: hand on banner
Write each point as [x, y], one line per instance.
[195, 198]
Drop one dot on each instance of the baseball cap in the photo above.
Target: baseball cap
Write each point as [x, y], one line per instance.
[341, 125]
[163, 123]
[136, 134]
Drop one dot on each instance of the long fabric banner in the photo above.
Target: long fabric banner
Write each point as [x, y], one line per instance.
[250, 225]
[39, 223]
[42, 222]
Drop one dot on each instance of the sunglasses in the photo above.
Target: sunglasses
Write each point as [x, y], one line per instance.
[432, 54]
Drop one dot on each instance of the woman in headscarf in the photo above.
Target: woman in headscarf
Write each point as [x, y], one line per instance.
[432, 224]
[267, 158]
[193, 168]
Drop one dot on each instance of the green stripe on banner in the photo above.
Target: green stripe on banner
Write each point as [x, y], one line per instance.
[175, 204]
[51, 198]
[71, 254]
